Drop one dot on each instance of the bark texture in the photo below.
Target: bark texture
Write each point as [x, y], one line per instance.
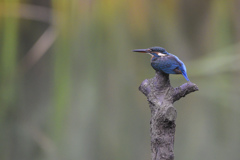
[161, 96]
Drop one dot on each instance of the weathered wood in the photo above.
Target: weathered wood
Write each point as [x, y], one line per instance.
[161, 96]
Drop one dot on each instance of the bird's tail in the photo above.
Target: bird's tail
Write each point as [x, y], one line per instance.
[185, 75]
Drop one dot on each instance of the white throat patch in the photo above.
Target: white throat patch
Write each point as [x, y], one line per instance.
[150, 54]
[161, 54]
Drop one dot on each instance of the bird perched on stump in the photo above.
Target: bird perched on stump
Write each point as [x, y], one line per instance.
[166, 62]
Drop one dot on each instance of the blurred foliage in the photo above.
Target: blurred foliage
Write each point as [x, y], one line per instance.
[69, 81]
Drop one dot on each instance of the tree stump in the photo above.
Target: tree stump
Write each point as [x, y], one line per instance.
[161, 96]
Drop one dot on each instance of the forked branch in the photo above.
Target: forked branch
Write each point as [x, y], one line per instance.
[161, 96]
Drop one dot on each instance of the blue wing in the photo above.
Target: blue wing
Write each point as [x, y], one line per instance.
[170, 64]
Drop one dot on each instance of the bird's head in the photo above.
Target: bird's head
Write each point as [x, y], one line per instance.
[153, 51]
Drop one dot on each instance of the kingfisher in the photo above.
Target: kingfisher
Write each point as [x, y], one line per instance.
[166, 62]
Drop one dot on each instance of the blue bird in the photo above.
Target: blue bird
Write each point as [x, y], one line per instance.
[163, 61]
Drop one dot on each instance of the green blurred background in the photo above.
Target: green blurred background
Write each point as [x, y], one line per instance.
[69, 81]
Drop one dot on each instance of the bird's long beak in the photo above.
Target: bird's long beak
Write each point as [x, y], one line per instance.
[141, 50]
